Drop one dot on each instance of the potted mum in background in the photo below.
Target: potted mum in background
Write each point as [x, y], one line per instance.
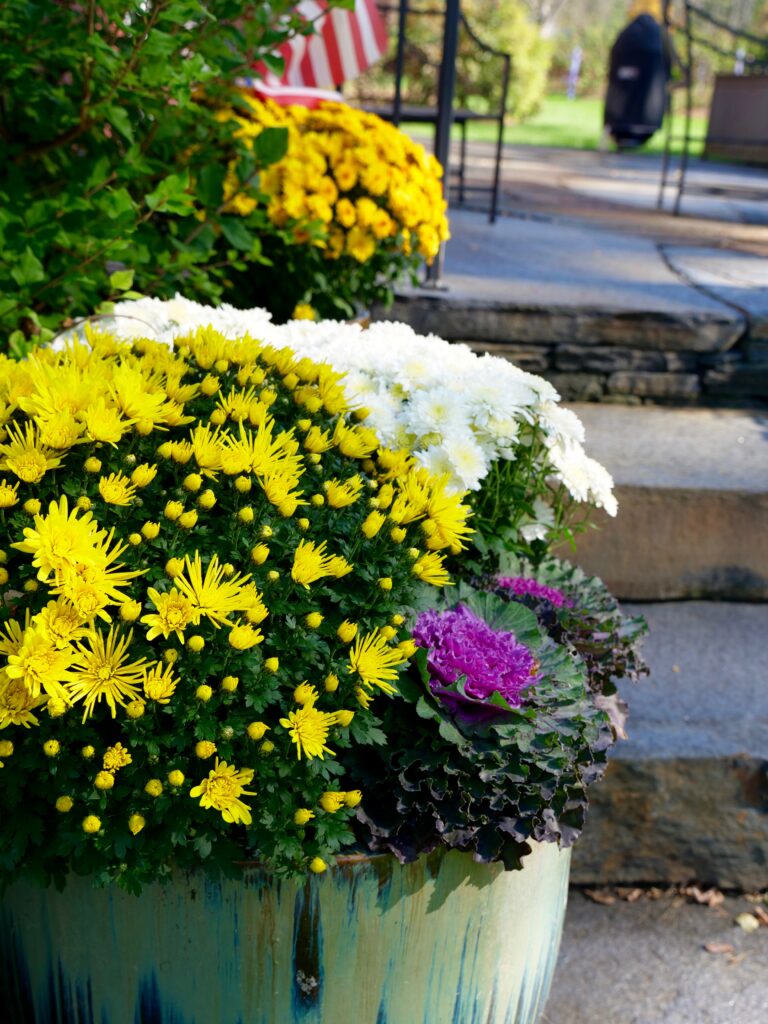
[480, 762]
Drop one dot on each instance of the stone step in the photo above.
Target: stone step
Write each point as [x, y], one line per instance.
[686, 796]
[693, 502]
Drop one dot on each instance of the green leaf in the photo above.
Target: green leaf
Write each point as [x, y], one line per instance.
[122, 280]
[236, 233]
[270, 146]
[28, 270]
[119, 118]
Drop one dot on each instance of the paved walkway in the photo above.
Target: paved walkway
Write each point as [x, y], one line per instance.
[645, 963]
[581, 229]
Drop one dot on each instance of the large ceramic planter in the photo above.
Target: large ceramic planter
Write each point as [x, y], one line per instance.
[441, 941]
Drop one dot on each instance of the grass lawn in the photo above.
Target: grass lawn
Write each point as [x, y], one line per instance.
[574, 124]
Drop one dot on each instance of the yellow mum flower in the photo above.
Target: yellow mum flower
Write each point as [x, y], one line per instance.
[64, 804]
[211, 593]
[222, 790]
[136, 823]
[243, 637]
[91, 824]
[143, 475]
[429, 568]
[204, 749]
[150, 530]
[103, 670]
[311, 563]
[174, 613]
[340, 494]
[308, 729]
[303, 815]
[115, 758]
[8, 495]
[104, 780]
[116, 489]
[159, 683]
[16, 702]
[42, 666]
[375, 662]
[103, 423]
[347, 631]
[25, 456]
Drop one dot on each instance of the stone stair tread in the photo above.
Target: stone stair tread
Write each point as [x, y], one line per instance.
[706, 696]
[698, 449]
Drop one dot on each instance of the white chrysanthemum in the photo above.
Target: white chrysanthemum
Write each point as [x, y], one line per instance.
[436, 410]
[468, 459]
[537, 527]
[559, 423]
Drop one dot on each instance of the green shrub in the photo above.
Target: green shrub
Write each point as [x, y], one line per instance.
[111, 153]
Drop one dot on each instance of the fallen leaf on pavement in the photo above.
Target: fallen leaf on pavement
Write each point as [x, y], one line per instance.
[597, 896]
[747, 922]
[761, 914]
[708, 897]
[736, 959]
[719, 947]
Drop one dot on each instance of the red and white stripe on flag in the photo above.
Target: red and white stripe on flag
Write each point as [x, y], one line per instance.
[344, 44]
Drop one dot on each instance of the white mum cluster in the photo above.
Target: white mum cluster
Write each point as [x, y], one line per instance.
[456, 411]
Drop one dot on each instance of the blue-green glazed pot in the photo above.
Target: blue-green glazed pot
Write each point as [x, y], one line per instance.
[440, 941]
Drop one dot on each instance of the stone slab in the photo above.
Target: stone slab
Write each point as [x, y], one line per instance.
[541, 280]
[692, 486]
[686, 796]
[708, 449]
[644, 962]
[739, 279]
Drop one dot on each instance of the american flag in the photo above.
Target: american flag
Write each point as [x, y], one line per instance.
[344, 44]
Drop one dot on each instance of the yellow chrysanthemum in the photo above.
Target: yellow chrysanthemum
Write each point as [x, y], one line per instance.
[311, 562]
[308, 728]
[174, 613]
[159, 682]
[115, 758]
[25, 456]
[117, 489]
[430, 569]
[222, 789]
[212, 594]
[41, 665]
[8, 494]
[375, 662]
[16, 703]
[105, 671]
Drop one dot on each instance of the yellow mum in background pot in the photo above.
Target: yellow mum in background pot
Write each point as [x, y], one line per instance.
[355, 203]
[177, 593]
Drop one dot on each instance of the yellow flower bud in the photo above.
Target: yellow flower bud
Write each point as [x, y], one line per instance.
[171, 656]
[257, 730]
[272, 664]
[259, 554]
[397, 620]
[51, 748]
[372, 524]
[130, 611]
[207, 499]
[408, 647]
[398, 534]
[135, 539]
[193, 482]
[318, 500]
[32, 506]
[347, 631]
[196, 643]
[56, 707]
[104, 780]
[64, 804]
[91, 824]
[31, 586]
[313, 620]
[154, 787]
[204, 693]
[176, 778]
[143, 475]
[209, 385]
[303, 524]
[266, 531]
[317, 865]
[331, 682]
[243, 484]
[173, 510]
[266, 747]
[387, 632]
[204, 749]
[4, 577]
[331, 801]
[217, 417]
[135, 824]
[135, 709]
[228, 569]
[353, 798]
[150, 530]
[246, 514]
[273, 575]
[302, 816]
[344, 718]
[88, 752]
[6, 748]
[188, 519]
[174, 567]
[229, 684]
[92, 465]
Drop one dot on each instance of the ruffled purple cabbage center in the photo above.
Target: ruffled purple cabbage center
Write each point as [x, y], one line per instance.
[520, 586]
[459, 643]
